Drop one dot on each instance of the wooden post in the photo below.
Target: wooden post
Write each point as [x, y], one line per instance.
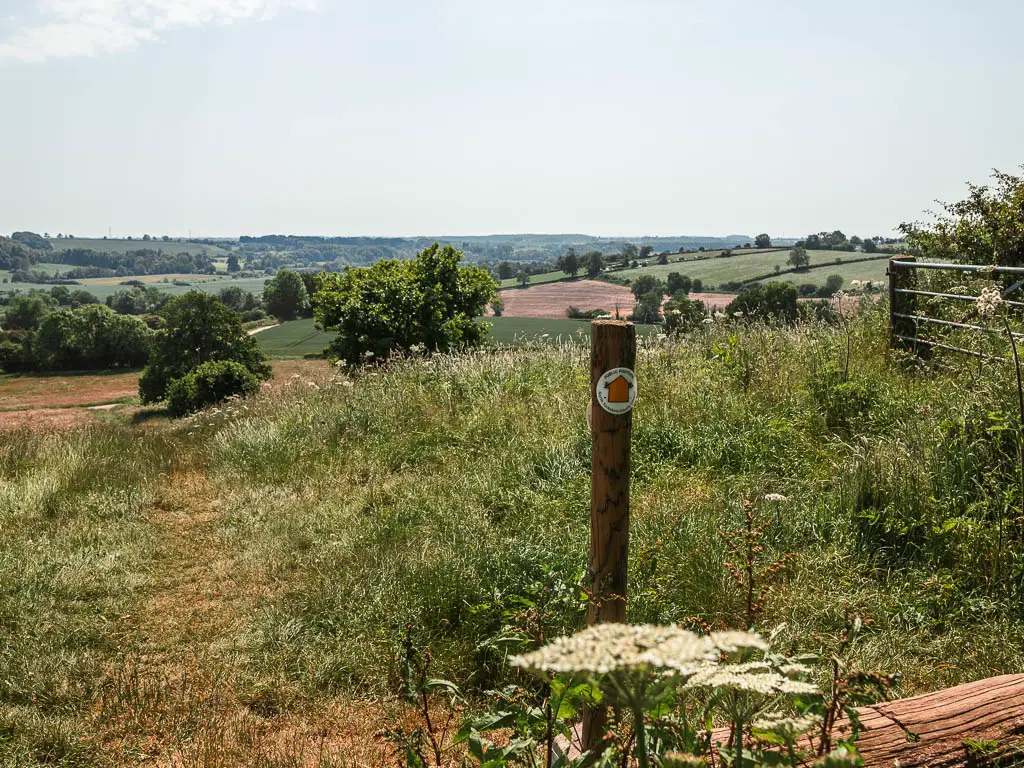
[612, 346]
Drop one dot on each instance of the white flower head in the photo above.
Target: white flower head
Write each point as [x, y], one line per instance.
[742, 677]
[775, 497]
[788, 727]
[732, 641]
[607, 648]
[988, 301]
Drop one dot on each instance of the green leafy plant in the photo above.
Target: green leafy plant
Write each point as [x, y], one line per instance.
[210, 383]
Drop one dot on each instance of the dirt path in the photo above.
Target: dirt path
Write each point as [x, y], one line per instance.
[186, 698]
[254, 331]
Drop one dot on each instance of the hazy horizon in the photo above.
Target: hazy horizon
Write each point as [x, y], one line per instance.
[229, 117]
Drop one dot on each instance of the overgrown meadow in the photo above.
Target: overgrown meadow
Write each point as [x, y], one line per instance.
[252, 586]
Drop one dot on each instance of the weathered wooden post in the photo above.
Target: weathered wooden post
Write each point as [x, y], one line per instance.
[901, 304]
[613, 390]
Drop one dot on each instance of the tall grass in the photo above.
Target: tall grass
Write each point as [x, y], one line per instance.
[73, 566]
[443, 503]
[443, 495]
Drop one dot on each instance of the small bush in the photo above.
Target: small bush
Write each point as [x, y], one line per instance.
[210, 383]
[586, 314]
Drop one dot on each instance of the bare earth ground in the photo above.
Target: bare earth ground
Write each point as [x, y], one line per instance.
[62, 402]
[554, 299]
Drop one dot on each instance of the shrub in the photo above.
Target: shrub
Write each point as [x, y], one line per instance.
[199, 329]
[210, 383]
[586, 314]
[807, 289]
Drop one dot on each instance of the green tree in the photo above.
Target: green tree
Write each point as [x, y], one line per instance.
[678, 284]
[647, 284]
[285, 295]
[593, 261]
[697, 286]
[855, 241]
[505, 271]
[397, 305]
[233, 265]
[870, 246]
[522, 277]
[629, 253]
[199, 328]
[683, 315]
[32, 240]
[985, 228]
[648, 307]
[26, 311]
[799, 258]
[497, 306]
[777, 301]
[763, 241]
[646, 251]
[90, 337]
[662, 259]
[569, 263]
[234, 298]
[137, 300]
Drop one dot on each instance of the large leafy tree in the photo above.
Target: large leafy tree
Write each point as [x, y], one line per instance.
[396, 305]
[285, 296]
[985, 228]
[763, 240]
[799, 258]
[90, 337]
[199, 329]
[777, 301]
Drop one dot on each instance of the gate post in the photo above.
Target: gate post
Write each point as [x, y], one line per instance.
[613, 390]
[901, 304]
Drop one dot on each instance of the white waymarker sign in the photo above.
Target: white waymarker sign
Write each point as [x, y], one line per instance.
[616, 390]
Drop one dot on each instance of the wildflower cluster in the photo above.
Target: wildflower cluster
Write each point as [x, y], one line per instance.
[989, 301]
[643, 668]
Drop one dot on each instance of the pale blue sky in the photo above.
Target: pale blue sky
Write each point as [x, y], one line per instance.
[395, 117]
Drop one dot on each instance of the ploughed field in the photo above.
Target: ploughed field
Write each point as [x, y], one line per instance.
[247, 586]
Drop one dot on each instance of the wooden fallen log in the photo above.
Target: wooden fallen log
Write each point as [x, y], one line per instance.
[976, 724]
[967, 725]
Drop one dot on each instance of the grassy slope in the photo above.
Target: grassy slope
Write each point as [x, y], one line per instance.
[216, 583]
[745, 265]
[299, 338]
[864, 270]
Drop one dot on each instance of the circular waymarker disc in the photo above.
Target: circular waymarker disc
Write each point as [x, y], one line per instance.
[616, 390]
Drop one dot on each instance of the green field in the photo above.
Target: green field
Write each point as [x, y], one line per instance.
[864, 270]
[544, 277]
[741, 266]
[49, 269]
[300, 338]
[123, 246]
[204, 283]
